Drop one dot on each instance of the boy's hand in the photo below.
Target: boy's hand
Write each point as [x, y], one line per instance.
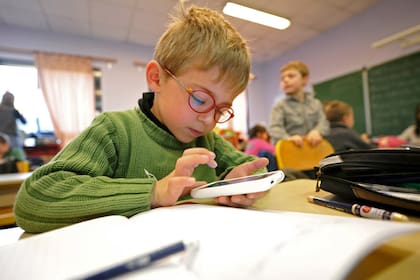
[297, 139]
[244, 169]
[179, 182]
[314, 137]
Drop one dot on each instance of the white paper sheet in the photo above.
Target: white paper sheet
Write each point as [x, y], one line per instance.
[233, 244]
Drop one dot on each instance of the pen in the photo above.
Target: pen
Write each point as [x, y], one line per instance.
[359, 210]
[141, 262]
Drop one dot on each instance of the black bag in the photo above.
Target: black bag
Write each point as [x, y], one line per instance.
[387, 177]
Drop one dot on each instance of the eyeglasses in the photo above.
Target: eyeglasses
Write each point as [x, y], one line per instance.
[202, 102]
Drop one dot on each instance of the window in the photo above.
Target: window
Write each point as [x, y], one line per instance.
[22, 81]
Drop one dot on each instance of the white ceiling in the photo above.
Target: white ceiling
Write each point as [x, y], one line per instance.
[142, 22]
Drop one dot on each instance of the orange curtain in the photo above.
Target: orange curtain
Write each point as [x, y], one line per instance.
[68, 88]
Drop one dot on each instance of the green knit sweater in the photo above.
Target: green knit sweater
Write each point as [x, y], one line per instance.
[104, 171]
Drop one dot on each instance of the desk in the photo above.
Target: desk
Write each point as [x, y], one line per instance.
[396, 259]
[9, 186]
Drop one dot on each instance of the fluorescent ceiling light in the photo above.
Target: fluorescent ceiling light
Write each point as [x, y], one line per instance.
[256, 16]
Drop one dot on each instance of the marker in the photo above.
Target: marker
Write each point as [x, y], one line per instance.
[142, 261]
[359, 210]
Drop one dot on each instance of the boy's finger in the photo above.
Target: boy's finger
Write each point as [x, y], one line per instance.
[177, 185]
[185, 165]
[199, 151]
[247, 168]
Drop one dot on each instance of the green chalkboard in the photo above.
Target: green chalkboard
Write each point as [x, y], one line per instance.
[347, 88]
[394, 91]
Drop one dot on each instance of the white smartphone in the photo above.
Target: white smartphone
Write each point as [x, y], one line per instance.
[242, 185]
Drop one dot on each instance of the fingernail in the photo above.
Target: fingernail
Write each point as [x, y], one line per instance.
[236, 199]
[212, 164]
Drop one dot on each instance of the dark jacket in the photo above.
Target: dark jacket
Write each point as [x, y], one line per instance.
[343, 138]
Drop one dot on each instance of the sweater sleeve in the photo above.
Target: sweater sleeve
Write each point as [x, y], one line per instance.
[82, 182]
[357, 142]
[322, 124]
[20, 117]
[277, 128]
[406, 134]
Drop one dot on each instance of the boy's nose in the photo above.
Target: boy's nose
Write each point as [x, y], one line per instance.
[207, 118]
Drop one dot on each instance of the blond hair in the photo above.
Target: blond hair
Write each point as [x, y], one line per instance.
[201, 38]
[335, 110]
[296, 65]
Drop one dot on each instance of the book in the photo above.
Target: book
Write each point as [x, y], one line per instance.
[233, 244]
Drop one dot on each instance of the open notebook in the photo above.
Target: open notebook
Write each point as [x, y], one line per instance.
[233, 244]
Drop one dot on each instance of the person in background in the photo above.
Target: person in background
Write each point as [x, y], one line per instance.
[300, 115]
[7, 152]
[258, 144]
[9, 156]
[342, 136]
[9, 116]
[151, 156]
[412, 133]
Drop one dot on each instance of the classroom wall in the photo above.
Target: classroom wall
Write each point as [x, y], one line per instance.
[336, 52]
[122, 85]
[342, 50]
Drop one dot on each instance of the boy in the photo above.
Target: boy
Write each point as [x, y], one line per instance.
[342, 137]
[132, 161]
[299, 115]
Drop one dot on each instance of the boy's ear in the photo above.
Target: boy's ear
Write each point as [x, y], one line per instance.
[152, 75]
[305, 79]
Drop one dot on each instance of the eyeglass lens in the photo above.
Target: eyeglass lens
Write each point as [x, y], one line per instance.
[202, 102]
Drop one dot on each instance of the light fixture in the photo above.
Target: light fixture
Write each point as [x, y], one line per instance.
[256, 16]
[402, 36]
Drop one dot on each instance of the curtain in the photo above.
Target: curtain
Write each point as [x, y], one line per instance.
[68, 88]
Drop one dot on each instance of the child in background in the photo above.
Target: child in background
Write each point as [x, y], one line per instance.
[259, 145]
[151, 156]
[9, 152]
[9, 155]
[412, 133]
[299, 116]
[342, 136]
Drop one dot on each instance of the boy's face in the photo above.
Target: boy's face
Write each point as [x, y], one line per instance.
[348, 119]
[292, 82]
[171, 104]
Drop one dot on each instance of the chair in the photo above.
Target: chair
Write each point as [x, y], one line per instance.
[303, 158]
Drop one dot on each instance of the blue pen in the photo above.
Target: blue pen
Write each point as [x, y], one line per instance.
[140, 262]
